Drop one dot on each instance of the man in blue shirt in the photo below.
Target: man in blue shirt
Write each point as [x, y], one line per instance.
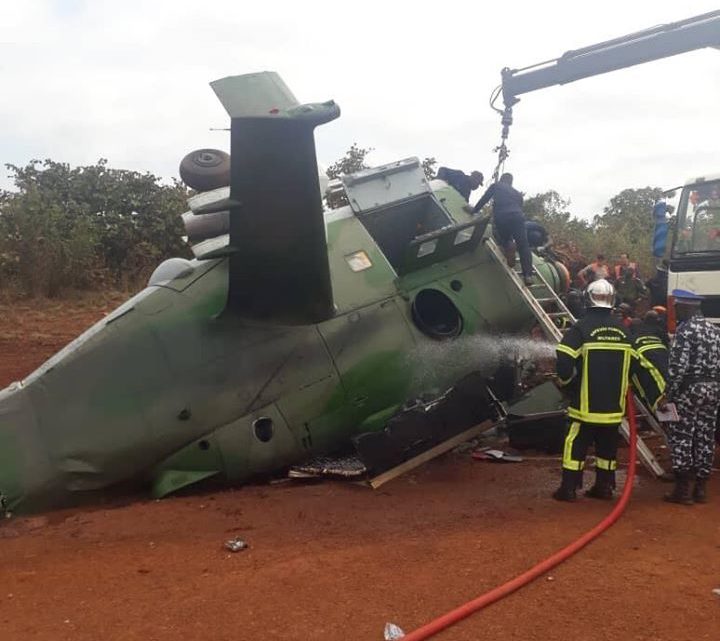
[460, 181]
[537, 235]
[509, 222]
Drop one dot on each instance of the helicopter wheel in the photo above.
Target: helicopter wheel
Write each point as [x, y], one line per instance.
[205, 169]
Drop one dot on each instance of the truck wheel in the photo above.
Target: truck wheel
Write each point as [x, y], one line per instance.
[205, 169]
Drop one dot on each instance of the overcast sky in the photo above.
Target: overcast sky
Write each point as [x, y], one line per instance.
[127, 80]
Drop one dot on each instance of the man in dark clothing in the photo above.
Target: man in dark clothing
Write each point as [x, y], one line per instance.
[694, 387]
[657, 286]
[658, 318]
[509, 222]
[575, 302]
[537, 235]
[650, 369]
[629, 288]
[460, 181]
[594, 359]
[624, 313]
[654, 324]
[593, 362]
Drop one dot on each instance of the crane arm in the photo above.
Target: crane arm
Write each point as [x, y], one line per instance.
[636, 48]
[655, 43]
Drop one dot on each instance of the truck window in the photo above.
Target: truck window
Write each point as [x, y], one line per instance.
[698, 220]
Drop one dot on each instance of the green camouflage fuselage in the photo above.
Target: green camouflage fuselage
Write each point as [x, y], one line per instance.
[168, 390]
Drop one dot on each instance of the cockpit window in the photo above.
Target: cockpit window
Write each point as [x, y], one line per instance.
[394, 227]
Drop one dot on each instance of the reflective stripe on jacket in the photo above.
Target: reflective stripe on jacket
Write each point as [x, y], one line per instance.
[649, 370]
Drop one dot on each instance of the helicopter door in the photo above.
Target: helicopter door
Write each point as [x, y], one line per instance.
[396, 205]
[375, 188]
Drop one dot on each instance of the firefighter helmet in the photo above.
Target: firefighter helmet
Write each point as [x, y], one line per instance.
[600, 293]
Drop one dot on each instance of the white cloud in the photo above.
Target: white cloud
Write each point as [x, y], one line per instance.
[128, 81]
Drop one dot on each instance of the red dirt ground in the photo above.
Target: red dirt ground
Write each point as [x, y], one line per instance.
[336, 561]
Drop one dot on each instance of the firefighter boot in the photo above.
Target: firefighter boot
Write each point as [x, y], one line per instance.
[566, 491]
[603, 488]
[699, 495]
[580, 480]
[681, 492]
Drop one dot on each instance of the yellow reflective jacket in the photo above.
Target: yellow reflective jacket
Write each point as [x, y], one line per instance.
[593, 361]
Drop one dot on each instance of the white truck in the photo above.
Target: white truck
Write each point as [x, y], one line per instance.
[695, 253]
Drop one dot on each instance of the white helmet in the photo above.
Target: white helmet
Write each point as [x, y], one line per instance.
[600, 293]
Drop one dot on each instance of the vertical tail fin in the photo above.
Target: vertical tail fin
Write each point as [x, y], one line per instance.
[279, 270]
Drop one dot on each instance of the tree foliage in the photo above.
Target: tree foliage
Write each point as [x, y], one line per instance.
[352, 161]
[73, 227]
[428, 166]
[625, 226]
[573, 235]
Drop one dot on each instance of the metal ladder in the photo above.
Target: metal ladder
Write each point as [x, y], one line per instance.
[553, 316]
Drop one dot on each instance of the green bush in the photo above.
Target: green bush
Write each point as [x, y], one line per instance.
[84, 227]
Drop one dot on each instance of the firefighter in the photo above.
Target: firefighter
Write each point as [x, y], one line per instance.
[694, 387]
[650, 368]
[593, 363]
[656, 320]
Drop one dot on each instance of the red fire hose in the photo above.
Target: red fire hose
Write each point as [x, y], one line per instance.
[458, 614]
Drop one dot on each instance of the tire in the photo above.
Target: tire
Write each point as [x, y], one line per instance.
[205, 169]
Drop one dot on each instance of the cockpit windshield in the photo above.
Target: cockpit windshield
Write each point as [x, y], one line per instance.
[698, 220]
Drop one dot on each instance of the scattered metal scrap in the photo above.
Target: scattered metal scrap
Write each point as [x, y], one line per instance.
[487, 454]
[236, 545]
[346, 467]
[393, 632]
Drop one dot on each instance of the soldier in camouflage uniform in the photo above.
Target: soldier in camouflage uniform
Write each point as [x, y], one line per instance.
[694, 386]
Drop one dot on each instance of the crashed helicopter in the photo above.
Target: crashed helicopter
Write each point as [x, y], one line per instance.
[292, 331]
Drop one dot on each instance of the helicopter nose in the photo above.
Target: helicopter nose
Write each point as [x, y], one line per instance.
[23, 466]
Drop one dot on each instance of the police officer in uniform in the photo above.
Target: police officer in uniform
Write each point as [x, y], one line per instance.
[593, 362]
[694, 387]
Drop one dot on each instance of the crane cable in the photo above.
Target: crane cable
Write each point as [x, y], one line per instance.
[500, 592]
[501, 150]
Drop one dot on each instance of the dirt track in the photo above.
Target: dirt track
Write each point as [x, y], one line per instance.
[332, 561]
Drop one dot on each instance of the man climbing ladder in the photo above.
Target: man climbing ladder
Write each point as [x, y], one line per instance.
[509, 223]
